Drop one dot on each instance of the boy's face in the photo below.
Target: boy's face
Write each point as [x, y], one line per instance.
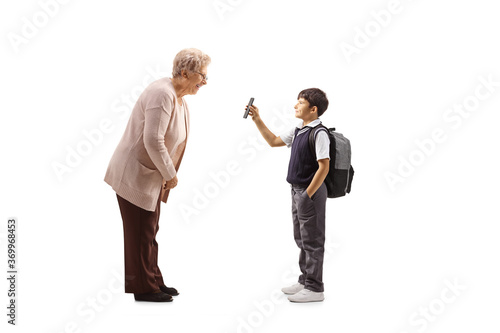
[304, 111]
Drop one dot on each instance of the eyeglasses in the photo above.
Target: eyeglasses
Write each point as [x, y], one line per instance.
[204, 76]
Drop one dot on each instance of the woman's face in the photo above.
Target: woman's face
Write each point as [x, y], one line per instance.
[196, 80]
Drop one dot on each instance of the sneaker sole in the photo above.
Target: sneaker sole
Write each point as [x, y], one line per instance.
[316, 300]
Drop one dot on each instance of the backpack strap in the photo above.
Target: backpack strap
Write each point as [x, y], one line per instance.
[312, 136]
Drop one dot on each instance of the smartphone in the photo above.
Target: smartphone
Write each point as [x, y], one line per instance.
[248, 108]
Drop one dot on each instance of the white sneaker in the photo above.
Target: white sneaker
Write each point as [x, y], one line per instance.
[293, 289]
[306, 295]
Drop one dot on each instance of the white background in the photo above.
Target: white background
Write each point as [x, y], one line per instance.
[391, 250]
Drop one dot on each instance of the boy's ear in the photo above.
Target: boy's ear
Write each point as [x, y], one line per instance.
[314, 109]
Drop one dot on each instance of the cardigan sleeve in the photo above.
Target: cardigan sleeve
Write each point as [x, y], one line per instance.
[156, 121]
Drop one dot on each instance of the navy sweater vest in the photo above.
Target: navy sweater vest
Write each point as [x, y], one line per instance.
[303, 164]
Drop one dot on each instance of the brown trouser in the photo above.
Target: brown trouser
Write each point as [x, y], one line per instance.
[140, 226]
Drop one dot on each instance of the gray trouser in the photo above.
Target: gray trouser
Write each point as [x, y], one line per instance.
[309, 232]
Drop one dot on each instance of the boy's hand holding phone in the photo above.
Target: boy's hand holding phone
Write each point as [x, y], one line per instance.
[254, 112]
[272, 140]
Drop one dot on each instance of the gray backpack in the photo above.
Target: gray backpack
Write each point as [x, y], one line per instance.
[339, 178]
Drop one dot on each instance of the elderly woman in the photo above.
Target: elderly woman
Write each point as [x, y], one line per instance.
[143, 169]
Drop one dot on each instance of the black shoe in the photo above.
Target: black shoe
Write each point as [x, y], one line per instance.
[153, 297]
[170, 291]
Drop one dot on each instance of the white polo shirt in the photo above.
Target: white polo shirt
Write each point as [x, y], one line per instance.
[322, 143]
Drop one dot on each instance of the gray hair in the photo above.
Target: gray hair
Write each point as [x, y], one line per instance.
[190, 60]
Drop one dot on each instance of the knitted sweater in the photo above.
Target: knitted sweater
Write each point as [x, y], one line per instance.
[152, 146]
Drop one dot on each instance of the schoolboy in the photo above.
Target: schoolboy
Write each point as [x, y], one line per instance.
[306, 174]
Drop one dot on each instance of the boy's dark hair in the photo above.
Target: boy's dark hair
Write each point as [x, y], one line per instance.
[316, 97]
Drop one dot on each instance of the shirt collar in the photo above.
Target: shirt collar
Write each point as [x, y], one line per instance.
[311, 124]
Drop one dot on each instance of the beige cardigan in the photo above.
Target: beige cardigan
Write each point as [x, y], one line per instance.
[151, 149]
